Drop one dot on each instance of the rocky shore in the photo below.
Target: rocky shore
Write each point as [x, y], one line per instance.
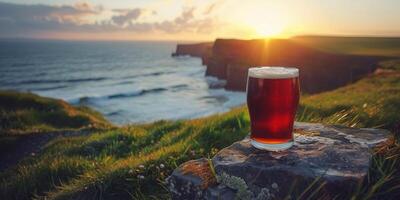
[229, 59]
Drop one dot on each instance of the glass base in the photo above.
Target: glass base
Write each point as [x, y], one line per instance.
[271, 147]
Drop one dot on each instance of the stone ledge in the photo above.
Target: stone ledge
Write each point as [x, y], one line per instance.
[338, 157]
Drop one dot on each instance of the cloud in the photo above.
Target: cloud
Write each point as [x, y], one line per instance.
[23, 20]
[187, 22]
[185, 17]
[213, 7]
[30, 20]
[126, 15]
[210, 9]
[9, 11]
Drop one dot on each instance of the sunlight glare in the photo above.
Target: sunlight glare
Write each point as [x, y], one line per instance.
[266, 29]
[265, 24]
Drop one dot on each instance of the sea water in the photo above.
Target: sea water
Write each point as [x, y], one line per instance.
[128, 82]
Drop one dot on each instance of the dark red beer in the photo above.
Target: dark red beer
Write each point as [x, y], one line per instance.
[272, 99]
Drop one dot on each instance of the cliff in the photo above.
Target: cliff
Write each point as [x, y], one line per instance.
[319, 71]
[195, 50]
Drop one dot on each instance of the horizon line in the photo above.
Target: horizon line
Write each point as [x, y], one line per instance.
[200, 40]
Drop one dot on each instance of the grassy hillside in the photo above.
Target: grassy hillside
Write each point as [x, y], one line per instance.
[371, 46]
[371, 102]
[22, 113]
[132, 162]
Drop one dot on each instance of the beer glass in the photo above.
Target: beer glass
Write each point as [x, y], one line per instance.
[272, 100]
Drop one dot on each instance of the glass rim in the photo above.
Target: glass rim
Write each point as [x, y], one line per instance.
[273, 72]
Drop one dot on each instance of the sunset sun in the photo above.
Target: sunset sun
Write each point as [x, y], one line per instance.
[265, 24]
[268, 29]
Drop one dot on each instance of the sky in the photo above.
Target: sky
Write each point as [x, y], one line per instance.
[196, 19]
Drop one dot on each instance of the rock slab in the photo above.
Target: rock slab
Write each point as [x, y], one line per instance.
[331, 159]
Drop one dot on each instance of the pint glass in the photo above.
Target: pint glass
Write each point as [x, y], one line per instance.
[272, 100]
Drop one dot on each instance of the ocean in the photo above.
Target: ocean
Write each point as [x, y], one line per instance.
[128, 82]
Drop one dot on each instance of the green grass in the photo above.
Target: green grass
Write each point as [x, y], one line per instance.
[390, 64]
[370, 46]
[132, 162]
[107, 164]
[22, 113]
[372, 102]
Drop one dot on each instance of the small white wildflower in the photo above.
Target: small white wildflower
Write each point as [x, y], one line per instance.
[140, 176]
[130, 171]
[274, 185]
[162, 165]
[141, 166]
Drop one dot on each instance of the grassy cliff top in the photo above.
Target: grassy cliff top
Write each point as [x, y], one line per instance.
[367, 46]
[22, 113]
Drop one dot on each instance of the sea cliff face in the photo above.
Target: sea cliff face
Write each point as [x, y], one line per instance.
[195, 50]
[319, 71]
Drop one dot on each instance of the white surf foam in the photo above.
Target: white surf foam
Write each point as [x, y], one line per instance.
[273, 72]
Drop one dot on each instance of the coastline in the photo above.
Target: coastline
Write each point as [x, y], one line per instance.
[128, 82]
[72, 152]
[139, 157]
[229, 59]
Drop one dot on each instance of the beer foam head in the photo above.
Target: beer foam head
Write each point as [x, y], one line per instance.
[273, 72]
